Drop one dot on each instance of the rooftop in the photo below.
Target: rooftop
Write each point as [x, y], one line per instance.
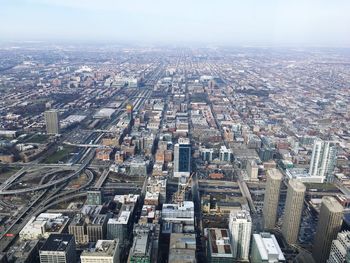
[57, 242]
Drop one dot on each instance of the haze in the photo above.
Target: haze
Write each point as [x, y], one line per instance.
[228, 22]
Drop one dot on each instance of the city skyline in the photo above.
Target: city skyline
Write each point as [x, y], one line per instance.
[271, 23]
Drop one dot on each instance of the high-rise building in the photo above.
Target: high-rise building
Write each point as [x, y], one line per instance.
[240, 226]
[272, 192]
[252, 170]
[265, 248]
[293, 210]
[323, 159]
[52, 122]
[329, 224]
[58, 248]
[106, 251]
[225, 155]
[340, 248]
[182, 158]
[118, 227]
[219, 246]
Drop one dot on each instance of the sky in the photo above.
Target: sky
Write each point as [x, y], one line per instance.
[319, 23]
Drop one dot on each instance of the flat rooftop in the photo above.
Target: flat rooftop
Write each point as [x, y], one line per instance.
[57, 242]
[219, 242]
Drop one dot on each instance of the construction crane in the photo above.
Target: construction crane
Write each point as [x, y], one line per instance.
[179, 196]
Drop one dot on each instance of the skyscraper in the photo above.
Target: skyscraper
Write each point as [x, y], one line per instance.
[293, 210]
[182, 158]
[58, 248]
[240, 226]
[272, 192]
[329, 224]
[52, 122]
[340, 248]
[323, 159]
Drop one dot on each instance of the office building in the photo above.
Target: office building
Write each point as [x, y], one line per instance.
[106, 251]
[94, 198]
[340, 248]
[329, 224]
[118, 227]
[97, 227]
[225, 155]
[182, 248]
[252, 170]
[206, 154]
[182, 158]
[272, 192]
[142, 248]
[240, 225]
[323, 160]
[219, 247]
[52, 122]
[78, 228]
[89, 225]
[182, 212]
[265, 249]
[293, 211]
[58, 248]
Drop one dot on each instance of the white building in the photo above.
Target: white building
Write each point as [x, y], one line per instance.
[126, 199]
[252, 170]
[44, 225]
[323, 159]
[240, 225]
[225, 155]
[182, 212]
[106, 251]
[340, 248]
[265, 248]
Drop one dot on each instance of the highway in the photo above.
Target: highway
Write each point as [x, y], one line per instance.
[51, 183]
[41, 204]
[102, 179]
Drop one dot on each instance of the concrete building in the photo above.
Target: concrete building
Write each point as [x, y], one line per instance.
[182, 248]
[126, 199]
[240, 225]
[52, 122]
[118, 227]
[182, 212]
[265, 249]
[225, 155]
[293, 211]
[219, 246]
[89, 225]
[252, 170]
[43, 225]
[78, 228]
[182, 158]
[206, 154]
[323, 159]
[58, 248]
[141, 248]
[340, 248]
[94, 198]
[329, 224]
[272, 192]
[97, 227]
[106, 251]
